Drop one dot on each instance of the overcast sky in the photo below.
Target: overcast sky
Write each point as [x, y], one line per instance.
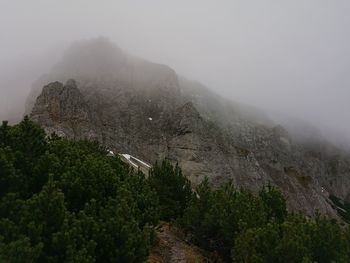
[291, 56]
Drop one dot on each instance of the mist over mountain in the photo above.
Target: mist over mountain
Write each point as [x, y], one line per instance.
[174, 131]
[289, 58]
[133, 106]
[18, 77]
[289, 100]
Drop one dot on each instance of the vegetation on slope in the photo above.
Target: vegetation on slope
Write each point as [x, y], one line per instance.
[245, 227]
[342, 207]
[67, 201]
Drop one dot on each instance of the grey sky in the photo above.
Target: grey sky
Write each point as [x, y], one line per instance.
[290, 56]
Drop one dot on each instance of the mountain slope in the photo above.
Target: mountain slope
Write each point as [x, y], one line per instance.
[146, 110]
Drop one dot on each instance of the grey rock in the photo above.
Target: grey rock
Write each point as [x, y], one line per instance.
[146, 110]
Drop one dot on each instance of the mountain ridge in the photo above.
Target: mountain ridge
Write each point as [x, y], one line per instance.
[147, 110]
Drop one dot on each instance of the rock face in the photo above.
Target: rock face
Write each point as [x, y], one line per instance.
[146, 110]
[64, 111]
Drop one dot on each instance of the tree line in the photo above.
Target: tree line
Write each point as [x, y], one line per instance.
[67, 201]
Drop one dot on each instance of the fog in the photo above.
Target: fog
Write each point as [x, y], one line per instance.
[291, 58]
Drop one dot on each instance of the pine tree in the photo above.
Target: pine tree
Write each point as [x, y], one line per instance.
[173, 189]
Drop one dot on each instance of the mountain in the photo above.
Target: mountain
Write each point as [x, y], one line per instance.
[136, 107]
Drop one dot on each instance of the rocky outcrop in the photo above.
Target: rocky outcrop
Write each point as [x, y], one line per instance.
[146, 110]
[64, 111]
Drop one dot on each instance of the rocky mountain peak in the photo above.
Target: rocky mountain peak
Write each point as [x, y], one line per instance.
[63, 109]
[61, 102]
[142, 109]
[100, 66]
[92, 58]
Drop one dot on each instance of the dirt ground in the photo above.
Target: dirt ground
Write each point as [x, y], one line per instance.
[171, 248]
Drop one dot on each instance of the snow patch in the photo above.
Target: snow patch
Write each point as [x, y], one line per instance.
[132, 159]
[128, 158]
[111, 153]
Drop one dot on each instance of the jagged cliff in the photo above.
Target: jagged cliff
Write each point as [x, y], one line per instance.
[145, 109]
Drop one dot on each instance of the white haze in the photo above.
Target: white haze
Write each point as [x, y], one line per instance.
[288, 57]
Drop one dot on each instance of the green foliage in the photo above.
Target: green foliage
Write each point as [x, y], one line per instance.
[215, 217]
[66, 201]
[274, 203]
[297, 239]
[246, 227]
[342, 207]
[173, 189]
